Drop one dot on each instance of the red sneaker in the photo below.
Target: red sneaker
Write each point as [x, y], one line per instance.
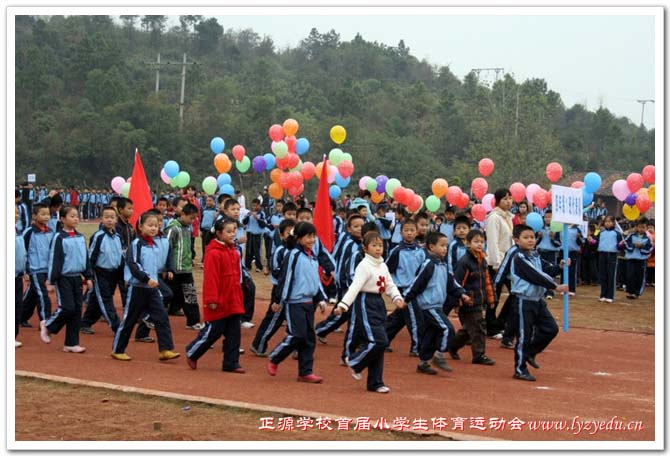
[191, 363]
[272, 369]
[311, 378]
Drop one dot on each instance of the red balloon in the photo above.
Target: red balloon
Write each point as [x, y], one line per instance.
[485, 166]
[276, 132]
[307, 170]
[399, 195]
[518, 191]
[478, 212]
[577, 184]
[292, 160]
[415, 204]
[540, 198]
[295, 179]
[282, 163]
[463, 201]
[346, 168]
[554, 171]
[238, 152]
[643, 203]
[634, 181]
[479, 187]
[649, 174]
[295, 191]
[454, 195]
[285, 180]
[290, 142]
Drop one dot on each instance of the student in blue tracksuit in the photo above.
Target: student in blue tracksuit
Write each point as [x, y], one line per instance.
[575, 241]
[455, 251]
[430, 288]
[255, 224]
[299, 291]
[273, 317]
[637, 246]
[55, 203]
[531, 277]
[207, 218]
[384, 227]
[270, 232]
[403, 263]
[106, 258]
[325, 259]
[68, 262]
[447, 227]
[19, 273]
[548, 244]
[37, 238]
[503, 277]
[396, 232]
[609, 243]
[142, 265]
[24, 217]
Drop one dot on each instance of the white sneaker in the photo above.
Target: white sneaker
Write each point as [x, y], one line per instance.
[603, 299]
[609, 300]
[44, 332]
[247, 325]
[497, 336]
[17, 344]
[197, 326]
[74, 349]
[571, 293]
[383, 389]
[354, 374]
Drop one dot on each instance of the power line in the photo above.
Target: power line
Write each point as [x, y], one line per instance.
[183, 64]
[643, 103]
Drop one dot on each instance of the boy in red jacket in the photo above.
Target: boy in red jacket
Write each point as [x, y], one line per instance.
[222, 299]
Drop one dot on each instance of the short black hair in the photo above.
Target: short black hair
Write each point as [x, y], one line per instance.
[474, 233]
[303, 210]
[286, 223]
[461, 220]
[221, 198]
[37, 207]
[255, 200]
[289, 206]
[230, 202]
[520, 228]
[422, 215]
[123, 202]
[642, 221]
[368, 227]
[189, 209]
[55, 201]
[433, 238]
[221, 223]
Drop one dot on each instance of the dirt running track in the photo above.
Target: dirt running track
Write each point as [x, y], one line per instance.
[591, 374]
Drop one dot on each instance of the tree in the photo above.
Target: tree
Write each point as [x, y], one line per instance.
[208, 34]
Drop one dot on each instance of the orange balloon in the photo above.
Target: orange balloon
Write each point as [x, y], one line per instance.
[439, 187]
[275, 190]
[275, 174]
[377, 197]
[222, 163]
[290, 127]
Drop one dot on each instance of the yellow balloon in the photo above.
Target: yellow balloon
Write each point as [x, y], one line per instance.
[338, 134]
[651, 192]
[631, 212]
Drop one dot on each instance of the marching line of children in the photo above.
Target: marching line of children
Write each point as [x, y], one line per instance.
[425, 275]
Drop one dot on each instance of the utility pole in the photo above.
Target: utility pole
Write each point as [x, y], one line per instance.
[643, 103]
[157, 64]
[516, 120]
[183, 84]
[496, 70]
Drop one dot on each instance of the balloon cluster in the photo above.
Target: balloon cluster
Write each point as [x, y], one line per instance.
[121, 186]
[173, 176]
[637, 198]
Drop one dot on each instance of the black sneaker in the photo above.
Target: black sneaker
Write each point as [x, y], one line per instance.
[86, 330]
[454, 354]
[484, 360]
[388, 350]
[507, 344]
[179, 313]
[531, 360]
[525, 376]
[442, 364]
[25, 324]
[424, 368]
[414, 354]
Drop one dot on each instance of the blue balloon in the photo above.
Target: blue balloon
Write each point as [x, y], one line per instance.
[223, 179]
[227, 189]
[631, 199]
[534, 220]
[341, 181]
[592, 182]
[171, 168]
[217, 145]
[301, 146]
[334, 191]
[587, 197]
[270, 161]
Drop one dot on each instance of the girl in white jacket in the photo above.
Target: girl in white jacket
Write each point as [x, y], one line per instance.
[367, 328]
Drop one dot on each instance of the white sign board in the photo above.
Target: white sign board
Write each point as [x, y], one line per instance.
[32, 178]
[566, 205]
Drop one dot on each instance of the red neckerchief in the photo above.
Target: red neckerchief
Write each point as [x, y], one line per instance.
[44, 229]
[72, 233]
[148, 239]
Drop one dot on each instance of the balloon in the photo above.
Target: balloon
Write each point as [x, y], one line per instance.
[634, 181]
[362, 181]
[275, 174]
[487, 202]
[577, 184]
[244, 164]
[592, 182]
[587, 197]
[391, 185]
[399, 194]
[171, 168]
[335, 156]
[371, 184]
[270, 161]
[290, 127]
[276, 132]
[433, 203]
[290, 142]
[182, 179]
[238, 152]
[334, 191]
[554, 171]
[454, 195]
[293, 160]
[535, 221]
[338, 134]
[275, 191]
[541, 198]
[439, 188]
[164, 177]
[217, 145]
[222, 163]
[518, 191]
[556, 227]
[223, 179]
[416, 204]
[486, 166]
[377, 197]
[631, 199]
[345, 168]
[652, 193]
[227, 190]
[347, 156]
[381, 183]
[258, 164]
[280, 149]
[209, 185]
[479, 187]
[295, 191]
[307, 170]
[125, 189]
[631, 212]
[332, 172]
[620, 189]
[649, 174]
[295, 179]
[342, 181]
[478, 212]
[285, 180]
[530, 192]
[118, 182]
[463, 202]
[643, 203]
[302, 146]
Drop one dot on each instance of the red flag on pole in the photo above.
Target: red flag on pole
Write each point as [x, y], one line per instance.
[323, 216]
[139, 192]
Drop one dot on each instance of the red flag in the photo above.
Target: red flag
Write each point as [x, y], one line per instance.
[139, 193]
[323, 216]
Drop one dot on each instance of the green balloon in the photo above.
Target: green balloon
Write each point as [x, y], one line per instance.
[391, 185]
[209, 185]
[433, 203]
[243, 165]
[297, 167]
[280, 149]
[371, 184]
[336, 156]
[182, 179]
[125, 189]
[347, 156]
[556, 227]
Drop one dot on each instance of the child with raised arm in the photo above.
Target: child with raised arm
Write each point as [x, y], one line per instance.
[367, 327]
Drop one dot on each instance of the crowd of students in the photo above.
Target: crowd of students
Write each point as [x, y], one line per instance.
[429, 266]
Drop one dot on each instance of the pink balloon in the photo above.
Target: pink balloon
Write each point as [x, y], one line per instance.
[478, 212]
[346, 168]
[554, 171]
[486, 166]
[620, 189]
[479, 187]
[518, 191]
[577, 184]
[276, 132]
[362, 181]
[530, 192]
[487, 202]
[118, 182]
[308, 169]
[649, 174]
[634, 181]
[332, 173]
[164, 177]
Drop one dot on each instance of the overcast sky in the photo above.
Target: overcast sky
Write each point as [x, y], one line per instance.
[588, 59]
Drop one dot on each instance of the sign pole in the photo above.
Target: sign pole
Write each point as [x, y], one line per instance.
[566, 278]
